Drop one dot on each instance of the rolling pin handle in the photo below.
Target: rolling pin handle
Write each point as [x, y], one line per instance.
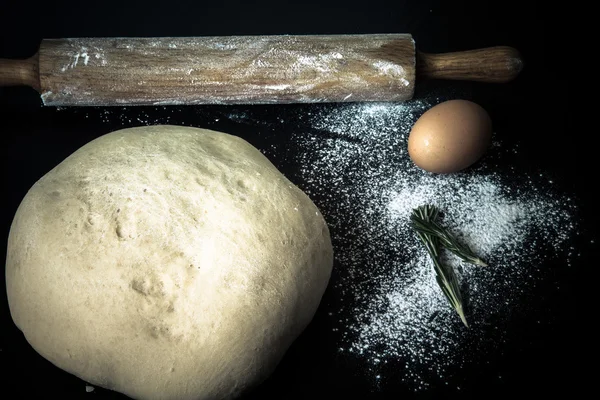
[497, 64]
[20, 72]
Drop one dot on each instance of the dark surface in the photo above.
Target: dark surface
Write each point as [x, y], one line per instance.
[544, 355]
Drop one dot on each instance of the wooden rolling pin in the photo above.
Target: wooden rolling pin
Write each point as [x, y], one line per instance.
[244, 69]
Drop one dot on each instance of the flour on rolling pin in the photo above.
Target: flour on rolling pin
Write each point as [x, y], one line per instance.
[84, 57]
[222, 70]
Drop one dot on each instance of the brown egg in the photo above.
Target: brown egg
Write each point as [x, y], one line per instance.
[450, 136]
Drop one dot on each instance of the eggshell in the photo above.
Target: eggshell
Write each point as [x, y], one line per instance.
[450, 136]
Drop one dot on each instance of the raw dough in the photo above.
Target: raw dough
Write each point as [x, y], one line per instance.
[166, 262]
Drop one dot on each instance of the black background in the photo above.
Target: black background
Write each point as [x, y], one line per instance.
[544, 355]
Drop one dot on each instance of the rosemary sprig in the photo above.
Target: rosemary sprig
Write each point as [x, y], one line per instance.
[445, 276]
[431, 228]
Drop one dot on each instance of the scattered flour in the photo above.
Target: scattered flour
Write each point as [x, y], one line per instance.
[390, 308]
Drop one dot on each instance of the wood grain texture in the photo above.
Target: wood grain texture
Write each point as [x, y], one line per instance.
[227, 70]
[20, 72]
[497, 64]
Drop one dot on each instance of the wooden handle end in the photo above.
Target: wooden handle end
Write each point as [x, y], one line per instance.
[498, 64]
[20, 72]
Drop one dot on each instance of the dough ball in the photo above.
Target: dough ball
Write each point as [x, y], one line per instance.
[166, 262]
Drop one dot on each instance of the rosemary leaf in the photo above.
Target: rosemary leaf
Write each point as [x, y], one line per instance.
[445, 276]
[430, 227]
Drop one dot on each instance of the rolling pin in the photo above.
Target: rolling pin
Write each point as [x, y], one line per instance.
[244, 69]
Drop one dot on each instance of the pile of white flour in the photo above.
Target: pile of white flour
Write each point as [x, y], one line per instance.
[384, 276]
